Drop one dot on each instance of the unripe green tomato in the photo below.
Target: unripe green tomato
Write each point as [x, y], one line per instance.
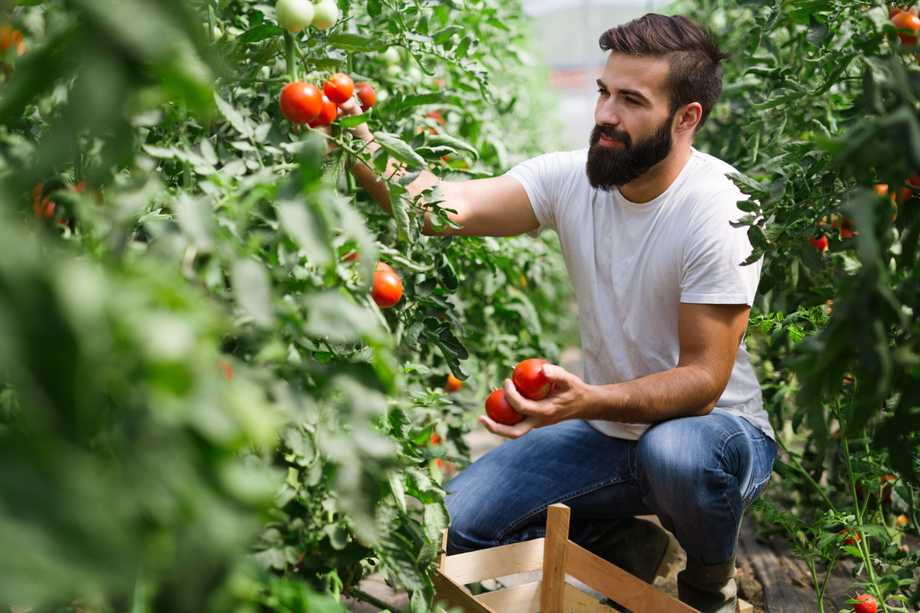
[327, 13]
[294, 15]
[391, 55]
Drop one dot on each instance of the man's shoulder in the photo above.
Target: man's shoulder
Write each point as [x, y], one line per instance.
[711, 175]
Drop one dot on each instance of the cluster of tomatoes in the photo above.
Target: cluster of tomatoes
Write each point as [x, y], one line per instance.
[295, 15]
[844, 226]
[530, 381]
[304, 103]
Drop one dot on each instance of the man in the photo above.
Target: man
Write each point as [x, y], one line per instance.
[668, 419]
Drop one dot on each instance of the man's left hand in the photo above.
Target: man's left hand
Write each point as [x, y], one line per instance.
[570, 398]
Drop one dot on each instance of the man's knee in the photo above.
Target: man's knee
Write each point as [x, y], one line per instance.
[677, 464]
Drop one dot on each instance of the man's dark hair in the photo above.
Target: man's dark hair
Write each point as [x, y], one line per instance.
[695, 73]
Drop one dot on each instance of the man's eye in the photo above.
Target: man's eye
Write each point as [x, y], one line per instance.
[602, 92]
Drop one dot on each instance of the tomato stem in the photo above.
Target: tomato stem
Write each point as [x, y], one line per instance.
[289, 44]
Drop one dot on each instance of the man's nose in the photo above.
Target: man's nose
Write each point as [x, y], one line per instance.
[606, 114]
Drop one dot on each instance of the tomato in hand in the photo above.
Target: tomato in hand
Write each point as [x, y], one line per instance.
[867, 604]
[453, 383]
[301, 102]
[294, 15]
[529, 379]
[388, 287]
[327, 13]
[366, 95]
[327, 115]
[907, 20]
[498, 409]
[339, 87]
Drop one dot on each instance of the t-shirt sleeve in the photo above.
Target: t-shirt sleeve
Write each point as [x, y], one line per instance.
[712, 271]
[544, 178]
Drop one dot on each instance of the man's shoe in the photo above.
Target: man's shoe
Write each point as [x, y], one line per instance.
[710, 588]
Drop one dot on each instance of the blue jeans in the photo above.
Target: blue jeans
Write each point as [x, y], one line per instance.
[697, 474]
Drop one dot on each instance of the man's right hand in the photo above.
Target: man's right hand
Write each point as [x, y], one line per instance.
[484, 207]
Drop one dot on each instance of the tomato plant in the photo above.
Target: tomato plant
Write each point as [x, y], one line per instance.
[818, 104]
[193, 346]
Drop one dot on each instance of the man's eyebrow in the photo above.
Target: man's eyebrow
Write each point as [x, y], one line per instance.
[631, 92]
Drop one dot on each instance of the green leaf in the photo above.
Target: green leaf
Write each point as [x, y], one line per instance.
[451, 141]
[260, 33]
[400, 150]
[300, 224]
[252, 290]
[236, 119]
[355, 42]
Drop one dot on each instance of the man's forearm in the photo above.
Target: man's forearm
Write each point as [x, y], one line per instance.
[678, 392]
[376, 186]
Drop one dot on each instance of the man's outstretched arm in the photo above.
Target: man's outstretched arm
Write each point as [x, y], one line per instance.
[484, 207]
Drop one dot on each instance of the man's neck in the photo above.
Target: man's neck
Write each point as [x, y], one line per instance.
[659, 178]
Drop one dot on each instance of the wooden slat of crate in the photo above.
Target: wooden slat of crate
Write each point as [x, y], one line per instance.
[517, 599]
[455, 595]
[554, 558]
[577, 601]
[495, 562]
[620, 586]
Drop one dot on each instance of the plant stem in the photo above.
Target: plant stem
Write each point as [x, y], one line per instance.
[289, 46]
[819, 589]
[795, 462]
[862, 539]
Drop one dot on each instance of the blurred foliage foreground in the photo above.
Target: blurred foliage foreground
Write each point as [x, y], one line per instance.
[201, 408]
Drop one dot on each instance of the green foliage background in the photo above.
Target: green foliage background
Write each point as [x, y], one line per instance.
[820, 105]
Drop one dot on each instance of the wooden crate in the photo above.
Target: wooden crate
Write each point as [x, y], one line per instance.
[557, 557]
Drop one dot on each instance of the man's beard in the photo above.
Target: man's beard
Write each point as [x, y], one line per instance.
[608, 167]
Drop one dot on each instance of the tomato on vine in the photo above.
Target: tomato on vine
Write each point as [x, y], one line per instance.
[866, 603]
[327, 114]
[906, 20]
[388, 287]
[294, 15]
[453, 383]
[339, 87]
[820, 243]
[301, 102]
[325, 15]
[366, 95]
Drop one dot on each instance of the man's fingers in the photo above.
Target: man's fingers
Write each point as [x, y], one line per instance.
[350, 107]
[556, 374]
[520, 404]
[517, 430]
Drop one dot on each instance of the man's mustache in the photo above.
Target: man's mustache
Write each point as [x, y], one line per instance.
[611, 133]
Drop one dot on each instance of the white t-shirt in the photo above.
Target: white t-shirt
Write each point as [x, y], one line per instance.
[632, 264]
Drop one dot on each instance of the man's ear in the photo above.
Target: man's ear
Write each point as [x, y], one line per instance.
[689, 118]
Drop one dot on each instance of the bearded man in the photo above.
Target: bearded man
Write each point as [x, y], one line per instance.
[668, 419]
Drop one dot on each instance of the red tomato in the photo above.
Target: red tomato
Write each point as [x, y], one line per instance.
[339, 87]
[529, 379]
[388, 287]
[227, 367]
[366, 95]
[435, 439]
[301, 102]
[902, 520]
[866, 604]
[327, 115]
[351, 256]
[819, 243]
[453, 383]
[851, 539]
[907, 20]
[10, 37]
[498, 409]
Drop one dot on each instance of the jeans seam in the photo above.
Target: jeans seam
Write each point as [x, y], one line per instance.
[721, 464]
[586, 490]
